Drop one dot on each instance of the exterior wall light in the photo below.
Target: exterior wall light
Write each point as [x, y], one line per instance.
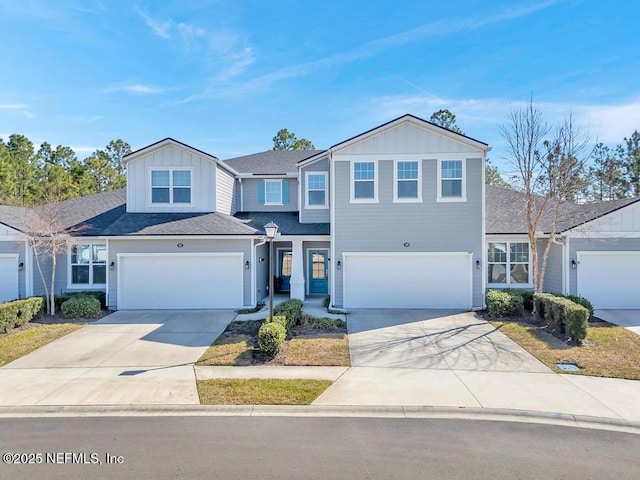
[247, 265]
[339, 265]
[478, 264]
[21, 266]
[574, 264]
[112, 265]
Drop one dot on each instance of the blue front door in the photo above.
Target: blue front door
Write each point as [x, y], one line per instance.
[284, 270]
[318, 271]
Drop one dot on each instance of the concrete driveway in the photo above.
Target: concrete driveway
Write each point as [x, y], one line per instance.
[630, 319]
[125, 358]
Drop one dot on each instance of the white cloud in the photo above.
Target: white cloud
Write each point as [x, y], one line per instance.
[83, 149]
[159, 28]
[138, 88]
[18, 107]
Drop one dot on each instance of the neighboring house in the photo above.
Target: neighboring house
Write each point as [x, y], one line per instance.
[398, 216]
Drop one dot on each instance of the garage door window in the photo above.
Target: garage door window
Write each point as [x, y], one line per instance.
[508, 263]
[88, 264]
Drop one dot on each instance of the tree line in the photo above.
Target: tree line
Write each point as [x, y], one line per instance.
[30, 177]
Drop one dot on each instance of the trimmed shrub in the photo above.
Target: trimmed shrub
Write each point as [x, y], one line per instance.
[504, 304]
[97, 294]
[527, 296]
[81, 306]
[327, 323]
[579, 300]
[18, 312]
[271, 337]
[292, 309]
[576, 319]
[563, 314]
[280, 319]
[542, 304]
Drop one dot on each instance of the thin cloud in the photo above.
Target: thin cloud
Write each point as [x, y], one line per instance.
[137, 88]
[370, 49]
[18, 107]
[159, 28]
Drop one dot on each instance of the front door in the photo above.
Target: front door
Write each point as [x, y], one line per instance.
[284, 270]
[318, 271]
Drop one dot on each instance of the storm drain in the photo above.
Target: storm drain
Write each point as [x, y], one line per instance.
[568, 367]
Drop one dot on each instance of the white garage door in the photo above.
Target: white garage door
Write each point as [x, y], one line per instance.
[610, 279]
[8, 277]
[179, 281]
[397, 280]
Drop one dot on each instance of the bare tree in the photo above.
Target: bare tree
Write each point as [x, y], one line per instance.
[548, 173]
[49, 239]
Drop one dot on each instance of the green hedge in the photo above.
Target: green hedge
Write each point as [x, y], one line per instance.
[563, 314]
[97, 294]
[271, 337]
[292, 309]
[282, 320]
[504, 304]
[18, 312]
[81, 306]
[579, 300]
[527, 297]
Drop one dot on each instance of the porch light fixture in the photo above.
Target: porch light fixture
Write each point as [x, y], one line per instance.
[574, 264]
[246, 265]
[478, 264]
[271, 229]
[21, 266]
[339, 265]
[112, 265]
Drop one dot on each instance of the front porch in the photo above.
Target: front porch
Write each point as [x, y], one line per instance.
[301, 269]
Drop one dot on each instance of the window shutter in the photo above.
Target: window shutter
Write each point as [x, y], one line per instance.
[261, 193]
[285, 192]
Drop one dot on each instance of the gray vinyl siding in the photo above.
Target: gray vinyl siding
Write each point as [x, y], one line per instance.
[429, 226]
[314, 215]
[250, 192]
[17, 247]
[170, 246]
[262, 272]
[596, 245]
[553, 271]
[225, 192]
[47, 267]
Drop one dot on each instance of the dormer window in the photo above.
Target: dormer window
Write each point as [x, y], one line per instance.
[171, 186]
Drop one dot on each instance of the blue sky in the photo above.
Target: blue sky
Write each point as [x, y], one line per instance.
[225, 76]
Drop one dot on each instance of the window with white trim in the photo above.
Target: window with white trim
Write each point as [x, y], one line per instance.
[273, 192]
[364, 180]
[171, 186]
[508, 263]
[88, 262]
[451, 179]
[407, 181]
[316, 189]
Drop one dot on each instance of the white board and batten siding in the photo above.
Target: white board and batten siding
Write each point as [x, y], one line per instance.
[203, 179]
[226, 192]
[407, 280]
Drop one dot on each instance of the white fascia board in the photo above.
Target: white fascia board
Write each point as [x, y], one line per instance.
[315, 158]
[268, 175]
[176, 237]
[306, 238]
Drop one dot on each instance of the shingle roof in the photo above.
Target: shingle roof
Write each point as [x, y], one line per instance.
[287, 222]
[14, 217]
[271, 162]
[505, 212]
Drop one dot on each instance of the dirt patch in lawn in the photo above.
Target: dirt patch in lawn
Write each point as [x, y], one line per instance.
[255, 391]
[29, 337]
[608, 350]
[238, 346]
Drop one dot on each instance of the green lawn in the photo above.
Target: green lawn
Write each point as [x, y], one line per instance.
[225, 391]
[17, 343]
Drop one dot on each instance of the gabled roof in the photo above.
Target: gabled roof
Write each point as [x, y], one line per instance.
[437, 129]
[163, 143]
[270, 162]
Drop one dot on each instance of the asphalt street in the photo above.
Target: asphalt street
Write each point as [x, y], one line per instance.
[308, 448]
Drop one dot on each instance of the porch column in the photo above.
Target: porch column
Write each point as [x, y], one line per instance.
[297, 270]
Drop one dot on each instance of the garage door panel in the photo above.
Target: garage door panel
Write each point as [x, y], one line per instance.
[610, 279]
[8, 278]
[180, 281]
[407, 281]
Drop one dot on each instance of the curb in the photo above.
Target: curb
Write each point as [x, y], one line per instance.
[408, 412]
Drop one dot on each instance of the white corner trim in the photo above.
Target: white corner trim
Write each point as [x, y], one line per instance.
[397, 199]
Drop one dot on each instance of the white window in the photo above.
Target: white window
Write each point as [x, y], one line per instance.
[364, 185]
[508, 263]
[273, 192]
[451, 181]
[88, 264]
[408, 182]
[171, 186]
[316, 183]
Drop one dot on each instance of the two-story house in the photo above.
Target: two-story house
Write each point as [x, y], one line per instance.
[396, 217]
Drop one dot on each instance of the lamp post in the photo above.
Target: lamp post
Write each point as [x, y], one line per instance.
[271, 229]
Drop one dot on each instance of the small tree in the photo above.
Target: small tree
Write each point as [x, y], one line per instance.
[492, 176]
[286, 140]
[444, 118]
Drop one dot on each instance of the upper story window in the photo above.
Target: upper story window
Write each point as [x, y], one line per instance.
[408, 184]
[316, 189]
[451, 181]
[364, 185]
[88, 263]
[171, 186]
[508, 263]
[273, 192]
